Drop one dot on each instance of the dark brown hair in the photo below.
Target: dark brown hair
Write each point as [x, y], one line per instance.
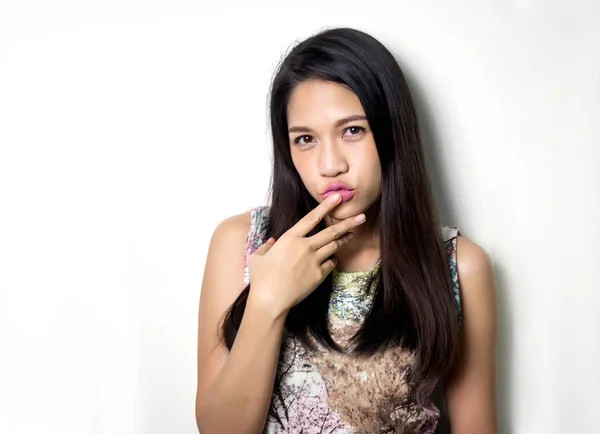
[413, 305]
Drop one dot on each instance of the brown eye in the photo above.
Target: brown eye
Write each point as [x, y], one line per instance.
[354, 131]
[308, 139]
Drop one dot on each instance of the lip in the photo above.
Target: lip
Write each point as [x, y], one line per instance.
[338, 187]
[346, 194]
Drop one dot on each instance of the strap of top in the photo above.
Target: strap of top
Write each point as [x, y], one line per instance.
[450, 235]
[259, 219]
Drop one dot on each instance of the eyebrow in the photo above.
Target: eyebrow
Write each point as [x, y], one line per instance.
[338, 123]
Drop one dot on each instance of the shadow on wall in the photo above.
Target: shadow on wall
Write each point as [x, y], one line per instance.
[439, 175]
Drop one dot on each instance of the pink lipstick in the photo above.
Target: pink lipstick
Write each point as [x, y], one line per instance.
[338, 187]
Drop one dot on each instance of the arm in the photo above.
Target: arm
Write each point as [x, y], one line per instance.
[234, 388]
[470, 387]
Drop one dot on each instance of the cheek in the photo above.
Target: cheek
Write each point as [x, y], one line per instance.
[303, 168]
[369, 162]
[372, 173]
[299, 164]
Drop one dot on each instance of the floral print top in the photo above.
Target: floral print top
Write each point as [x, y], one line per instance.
[324, 391]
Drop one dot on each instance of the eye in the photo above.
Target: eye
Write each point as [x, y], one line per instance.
[355, 130]
[307, 141]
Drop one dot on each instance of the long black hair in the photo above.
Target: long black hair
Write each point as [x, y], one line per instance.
[413, 305]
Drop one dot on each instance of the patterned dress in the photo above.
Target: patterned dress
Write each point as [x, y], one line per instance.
[335, 393]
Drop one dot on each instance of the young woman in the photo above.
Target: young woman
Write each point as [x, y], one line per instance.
[344, 306]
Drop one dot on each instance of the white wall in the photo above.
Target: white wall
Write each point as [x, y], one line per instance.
[129, 130]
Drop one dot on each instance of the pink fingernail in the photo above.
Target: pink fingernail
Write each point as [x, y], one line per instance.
[336, 197]
[360, 218]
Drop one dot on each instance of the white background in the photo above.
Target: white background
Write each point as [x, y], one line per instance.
[128, 130]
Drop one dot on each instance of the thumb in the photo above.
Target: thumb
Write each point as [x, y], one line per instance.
[266, 246]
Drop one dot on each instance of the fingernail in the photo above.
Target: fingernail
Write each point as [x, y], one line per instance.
[360, 218]
[336, 197]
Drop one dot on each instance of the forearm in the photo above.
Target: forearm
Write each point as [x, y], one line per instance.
[238, 400]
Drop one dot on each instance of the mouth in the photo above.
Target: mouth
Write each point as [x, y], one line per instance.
[345, 191]
[346, 194]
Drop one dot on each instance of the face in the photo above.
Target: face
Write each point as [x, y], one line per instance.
[332, 146]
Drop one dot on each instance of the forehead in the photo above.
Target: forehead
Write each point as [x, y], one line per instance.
[321, 101]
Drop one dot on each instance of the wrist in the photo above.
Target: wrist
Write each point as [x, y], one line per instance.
[264, 304]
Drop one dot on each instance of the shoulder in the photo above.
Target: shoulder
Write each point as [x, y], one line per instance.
[233, 228]
[243, 233]
[225, 261]
[243, 224]
[227, 244]
[473, 262]
[477, 286]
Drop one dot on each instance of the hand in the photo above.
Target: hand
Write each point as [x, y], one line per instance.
[286, 271]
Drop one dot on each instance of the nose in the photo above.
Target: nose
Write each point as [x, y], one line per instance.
[332, 161]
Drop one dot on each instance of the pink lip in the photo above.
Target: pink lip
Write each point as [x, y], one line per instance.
[337, 187]
[334, 186]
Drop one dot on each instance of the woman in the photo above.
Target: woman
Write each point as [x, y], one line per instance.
[344, 307]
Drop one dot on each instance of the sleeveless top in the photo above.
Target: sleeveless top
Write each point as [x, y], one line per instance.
[329, 392]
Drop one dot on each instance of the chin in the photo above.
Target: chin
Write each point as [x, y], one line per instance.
[346, 210]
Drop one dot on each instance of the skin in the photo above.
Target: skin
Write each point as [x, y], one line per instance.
[234, 388]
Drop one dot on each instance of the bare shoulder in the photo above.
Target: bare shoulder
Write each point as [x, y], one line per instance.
[225, 261]
[233, 229]
[477, 289]
[474, 267]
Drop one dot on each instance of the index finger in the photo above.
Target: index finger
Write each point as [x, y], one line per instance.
[312, 219]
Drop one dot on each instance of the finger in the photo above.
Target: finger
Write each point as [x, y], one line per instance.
[328, 266]
[329, 249]
[265, 247]
[335, 231]
[312, 219]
